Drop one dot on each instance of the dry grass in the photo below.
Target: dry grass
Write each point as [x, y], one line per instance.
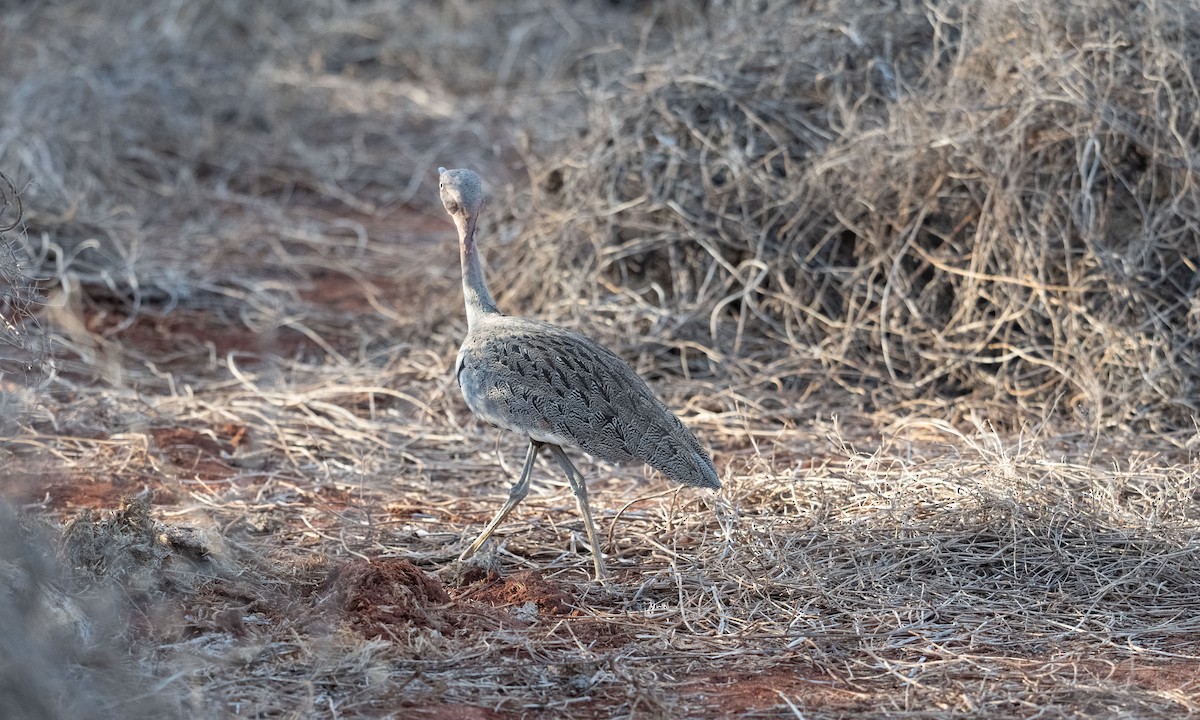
[907, 271]
[24, 362]
[989, 202]
[908, 581]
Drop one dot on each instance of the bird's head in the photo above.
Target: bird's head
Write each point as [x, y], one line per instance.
[462, 193]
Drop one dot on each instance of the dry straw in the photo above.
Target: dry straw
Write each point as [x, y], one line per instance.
[993, 203]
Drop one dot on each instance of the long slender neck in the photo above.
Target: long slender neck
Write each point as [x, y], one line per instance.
[475, 290]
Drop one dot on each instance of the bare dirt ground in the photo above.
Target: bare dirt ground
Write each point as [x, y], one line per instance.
[923, 277]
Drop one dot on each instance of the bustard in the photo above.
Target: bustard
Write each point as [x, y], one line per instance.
[556, 387]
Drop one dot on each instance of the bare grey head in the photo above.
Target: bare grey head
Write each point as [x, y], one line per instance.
[462, 193]
[462, 196]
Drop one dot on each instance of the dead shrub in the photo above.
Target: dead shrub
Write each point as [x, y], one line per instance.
[987, 203]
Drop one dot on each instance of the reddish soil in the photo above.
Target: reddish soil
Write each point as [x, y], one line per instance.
[453, 712]
[186, 336]
[401, 282]
[419, 284]
[737, 695]
[336, 290]
[1164, 677]
[380, 595]
[200, 455]
[194, 455]
[527, 586]
[1183, 675]
[74, 492]
[412, 293]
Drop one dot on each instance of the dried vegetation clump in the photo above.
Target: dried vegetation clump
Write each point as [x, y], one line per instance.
[23, 360]
[64, 650]
[994, 203]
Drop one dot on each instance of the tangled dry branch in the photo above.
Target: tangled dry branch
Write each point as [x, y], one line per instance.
[990, 203]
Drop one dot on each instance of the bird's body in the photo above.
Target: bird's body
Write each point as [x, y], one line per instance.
[557, 387]
[562, 388]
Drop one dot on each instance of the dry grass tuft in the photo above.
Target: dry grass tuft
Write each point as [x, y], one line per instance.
[23, 357]
[64, 650]
[126, 546]
[991, 202]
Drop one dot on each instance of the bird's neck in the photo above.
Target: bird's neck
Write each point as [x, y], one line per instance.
[475, 290]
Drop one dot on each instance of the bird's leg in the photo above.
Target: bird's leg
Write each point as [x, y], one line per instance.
[577, 486]
[515, 495]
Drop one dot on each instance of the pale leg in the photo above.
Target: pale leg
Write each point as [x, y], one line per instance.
[577, 486]
[515, 495]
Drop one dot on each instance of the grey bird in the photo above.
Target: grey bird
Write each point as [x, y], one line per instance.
[557, 387]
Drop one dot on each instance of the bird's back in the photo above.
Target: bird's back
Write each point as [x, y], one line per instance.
[560, 387]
